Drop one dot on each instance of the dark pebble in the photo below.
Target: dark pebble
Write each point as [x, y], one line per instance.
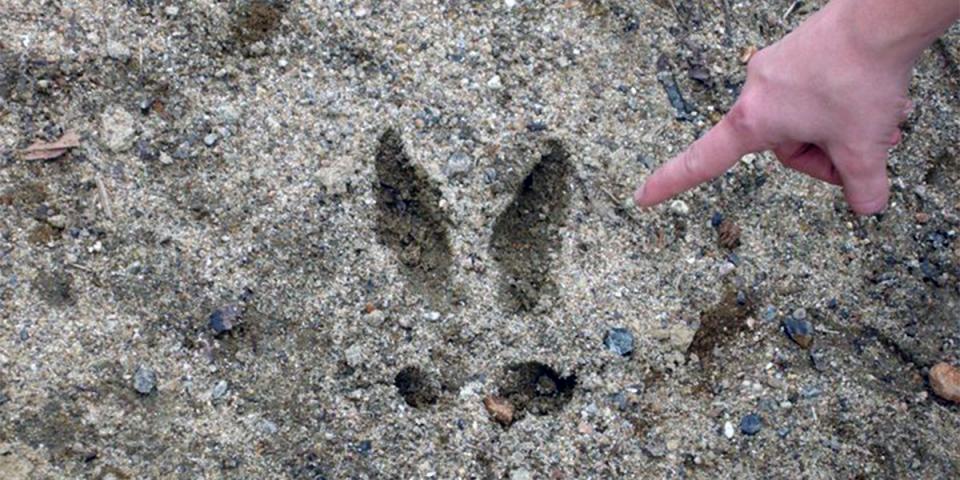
[536, 126]
[799, 330]
[716, 219]
[619, 341]
[224, 319]
[145, 380]
[364, 448]
[3, 399]
[751, 424]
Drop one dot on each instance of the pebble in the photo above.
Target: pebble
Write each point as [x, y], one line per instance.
[728, 430]
[117, 129]
[145, 380]
[171, 11]
[521, 474]
[224, 319]
[355, 355]
[219, 390]
[716, 219]
[945, 381]
[118, 51]
[459, 164]
[619, 341]
[679, 207]
[750, 424]
[500, 409]
[495, 83]
[799, 330]
[211, 139]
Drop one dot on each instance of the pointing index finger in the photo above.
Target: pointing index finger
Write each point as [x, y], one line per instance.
[708, 157]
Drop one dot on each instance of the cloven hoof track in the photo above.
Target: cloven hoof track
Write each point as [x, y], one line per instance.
[410, 222]
[527, 232]
[533, 387]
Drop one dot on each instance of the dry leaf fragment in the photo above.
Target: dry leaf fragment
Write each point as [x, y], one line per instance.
[500, 409]
[48, 150]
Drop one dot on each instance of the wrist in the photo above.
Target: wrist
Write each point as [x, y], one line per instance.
[892, 31]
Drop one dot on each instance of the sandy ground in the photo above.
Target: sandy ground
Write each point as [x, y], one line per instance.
[309, 239]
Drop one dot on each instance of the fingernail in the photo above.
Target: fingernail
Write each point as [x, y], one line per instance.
[638, 196]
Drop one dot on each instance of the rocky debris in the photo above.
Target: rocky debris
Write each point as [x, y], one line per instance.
[728, 430]
[118, 51]
[728, 234]
[224, 319]
[799, 329]
[679, 208]
[458, 164]
[619, 341]
[751, 424]
[945, 381]
[500, 409]
[117, 129]
[145, 380]
[219, 390]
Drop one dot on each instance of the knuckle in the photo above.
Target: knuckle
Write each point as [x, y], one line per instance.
[743, 117]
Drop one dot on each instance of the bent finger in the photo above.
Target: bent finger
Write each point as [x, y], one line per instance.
[810, 160]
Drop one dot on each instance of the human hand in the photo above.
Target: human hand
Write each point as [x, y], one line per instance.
[825, 99]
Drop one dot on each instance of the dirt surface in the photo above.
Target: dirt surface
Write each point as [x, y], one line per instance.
[308, 239]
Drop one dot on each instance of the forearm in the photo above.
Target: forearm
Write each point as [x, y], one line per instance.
[899, 29]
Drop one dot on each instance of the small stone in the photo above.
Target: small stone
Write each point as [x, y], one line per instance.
[495, 83]
[716, 219]
[118, 51]
[432, 316]
[211, 139]
[728, 430]
[751, 424]
[144, 380]
[728, 234]
[680, 208]
[117, 129]
[945, 381]
[57, 221]
[922, 218]
[219, 390]
[500, 409]
[268, 427]
[536, 127]
[521, 474]
[619, 341]
[509, 3]
[459, 164]
[799, 330]
[364, 447]
[224, 319]
[171, 11]
[355, 355]
[165, 159]
[800, 314]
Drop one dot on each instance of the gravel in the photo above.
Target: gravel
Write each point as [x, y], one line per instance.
[750, 424]
[145, 380]
[284, 217]
[619, 341]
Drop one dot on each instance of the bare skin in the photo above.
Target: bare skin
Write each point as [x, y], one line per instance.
[827, 100]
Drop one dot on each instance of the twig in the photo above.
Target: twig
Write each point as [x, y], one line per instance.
[80, 267]
[790, 10]
[104, 197]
